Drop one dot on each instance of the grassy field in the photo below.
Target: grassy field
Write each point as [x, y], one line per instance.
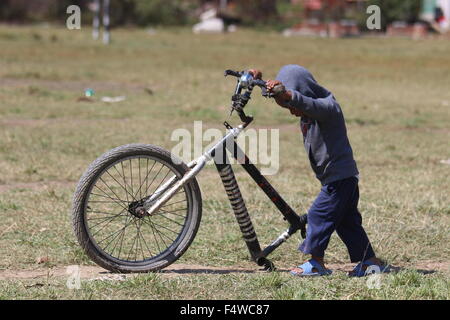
[395, 96]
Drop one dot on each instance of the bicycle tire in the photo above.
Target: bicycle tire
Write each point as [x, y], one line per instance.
[82, 211]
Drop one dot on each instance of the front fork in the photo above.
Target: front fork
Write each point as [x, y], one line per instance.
[240, 210]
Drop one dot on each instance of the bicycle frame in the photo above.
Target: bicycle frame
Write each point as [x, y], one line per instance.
[220, 157]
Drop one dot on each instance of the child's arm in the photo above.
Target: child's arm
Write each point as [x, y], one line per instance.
[318, 109]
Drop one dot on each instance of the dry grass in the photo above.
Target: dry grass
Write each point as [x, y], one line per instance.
[394, 93]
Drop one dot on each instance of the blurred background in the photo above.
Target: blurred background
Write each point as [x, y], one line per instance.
[334, 18]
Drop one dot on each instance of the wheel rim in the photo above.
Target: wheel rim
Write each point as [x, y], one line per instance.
[122, 236]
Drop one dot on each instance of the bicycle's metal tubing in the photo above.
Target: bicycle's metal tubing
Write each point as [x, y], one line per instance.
[296, 222]
[196, 166]
[289, 214]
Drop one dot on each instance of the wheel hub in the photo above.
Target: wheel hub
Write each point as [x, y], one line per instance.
[137, 209]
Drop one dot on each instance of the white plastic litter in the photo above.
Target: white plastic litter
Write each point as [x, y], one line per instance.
[113, 99]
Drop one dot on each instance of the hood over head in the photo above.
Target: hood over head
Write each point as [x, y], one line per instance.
[295, 77]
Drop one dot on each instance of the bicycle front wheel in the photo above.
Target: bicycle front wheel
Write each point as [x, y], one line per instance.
[105, 220]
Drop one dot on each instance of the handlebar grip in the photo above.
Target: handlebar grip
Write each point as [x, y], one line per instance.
[262, 84]
[232, 73]
[259, 83]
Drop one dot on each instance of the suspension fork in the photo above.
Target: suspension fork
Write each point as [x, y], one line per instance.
[239, 208]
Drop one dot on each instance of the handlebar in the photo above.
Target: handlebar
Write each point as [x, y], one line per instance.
[262, 84]
[229, 72]
[248, 80]
[243, 91]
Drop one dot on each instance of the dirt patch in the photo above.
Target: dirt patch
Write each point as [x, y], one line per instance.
[95, 272]
[55, 121]
[432, 266]
[37, 185]
[78, 86]
[98, 273]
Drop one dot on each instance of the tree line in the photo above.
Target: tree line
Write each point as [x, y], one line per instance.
[185, 12]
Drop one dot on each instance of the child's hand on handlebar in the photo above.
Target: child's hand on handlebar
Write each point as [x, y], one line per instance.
[279, 92]
[257, 74]
[271, 84]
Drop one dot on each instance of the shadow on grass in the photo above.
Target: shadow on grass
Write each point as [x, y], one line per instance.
[208, 271]
[220, 271]
[394, 269]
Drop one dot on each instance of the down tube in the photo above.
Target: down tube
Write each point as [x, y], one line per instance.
[288, 213]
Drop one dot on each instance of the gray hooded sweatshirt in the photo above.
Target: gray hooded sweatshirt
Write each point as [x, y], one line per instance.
[323, 126]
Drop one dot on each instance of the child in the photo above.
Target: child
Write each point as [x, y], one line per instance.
[330, 154]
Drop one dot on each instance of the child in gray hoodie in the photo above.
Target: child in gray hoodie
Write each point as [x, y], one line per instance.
[331, 157]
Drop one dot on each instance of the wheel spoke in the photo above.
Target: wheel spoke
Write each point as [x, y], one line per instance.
[122, 231]
[131, 176]
[169, 204]
[148, 221]
[124, 187]
[115, 229]
[145, 242]
[106, 195]
[114, 235]
[146, 191]
[164, 211]
[124, 181]
[123, 202]
[162, 180]
[164, 227]
[140, 181]
[146, 180]
[132, 246]
[172, 220]
[107, 223]
[154, 235]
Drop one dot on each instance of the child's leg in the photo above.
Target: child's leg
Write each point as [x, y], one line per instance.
[326, 213]
[352, 233]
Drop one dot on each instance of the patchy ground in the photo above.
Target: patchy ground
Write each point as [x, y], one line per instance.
[95, 272]
[397, 123]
